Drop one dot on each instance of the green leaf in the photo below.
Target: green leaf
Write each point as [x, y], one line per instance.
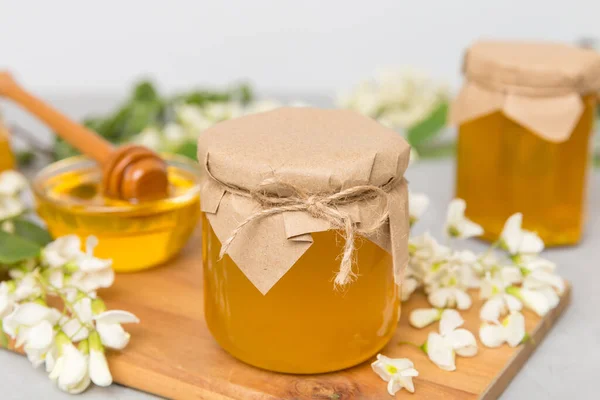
[144, 91]
[14, 248]
[31, 231]
[188, 149]
[427, 129]
[441, 150]
[25, 158]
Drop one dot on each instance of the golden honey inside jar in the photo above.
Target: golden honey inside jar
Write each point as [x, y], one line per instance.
[302, 325]
[134, 235]
[526, 116]
[270, 300]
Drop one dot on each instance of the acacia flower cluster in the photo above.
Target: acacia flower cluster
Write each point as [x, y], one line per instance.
[517, 278]
[509, 276]
[50, 308]
[397, 98]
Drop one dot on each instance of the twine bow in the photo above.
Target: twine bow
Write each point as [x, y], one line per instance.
[321, 206]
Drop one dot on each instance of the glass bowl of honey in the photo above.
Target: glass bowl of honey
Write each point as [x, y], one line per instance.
[135, 235]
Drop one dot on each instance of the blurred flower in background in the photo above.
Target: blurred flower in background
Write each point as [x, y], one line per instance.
[404, 99]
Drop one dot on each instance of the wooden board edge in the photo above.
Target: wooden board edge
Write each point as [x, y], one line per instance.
[516, 362]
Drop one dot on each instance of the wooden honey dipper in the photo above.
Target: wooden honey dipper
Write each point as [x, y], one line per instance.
[129, 172]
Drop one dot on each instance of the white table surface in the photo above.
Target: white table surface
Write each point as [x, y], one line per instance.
[565, 365]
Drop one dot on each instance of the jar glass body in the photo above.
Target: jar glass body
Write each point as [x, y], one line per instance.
[503, 168]
[7, 160]
[302, 325]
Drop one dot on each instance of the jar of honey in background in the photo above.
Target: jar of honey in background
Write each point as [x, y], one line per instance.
[526, 115]
[7, 160]
[277, 179]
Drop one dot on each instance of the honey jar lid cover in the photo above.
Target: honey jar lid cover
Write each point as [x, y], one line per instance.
[537, 84]
[308, 170]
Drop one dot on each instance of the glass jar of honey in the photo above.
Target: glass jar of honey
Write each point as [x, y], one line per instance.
[304, 236]
[7, 160]
[526, 115]
[135, 236]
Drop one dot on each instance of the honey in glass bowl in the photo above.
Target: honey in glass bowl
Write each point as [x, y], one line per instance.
[134, 235]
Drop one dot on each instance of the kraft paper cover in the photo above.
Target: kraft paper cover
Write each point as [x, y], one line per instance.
[320, 151]
[538, 85]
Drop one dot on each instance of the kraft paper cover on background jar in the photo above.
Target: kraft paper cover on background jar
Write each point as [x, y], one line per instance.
[311, 210]
[525, 116]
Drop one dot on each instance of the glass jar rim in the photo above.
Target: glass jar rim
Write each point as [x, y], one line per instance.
[73, 163]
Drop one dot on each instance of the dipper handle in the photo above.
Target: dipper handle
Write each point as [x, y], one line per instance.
[83, 139]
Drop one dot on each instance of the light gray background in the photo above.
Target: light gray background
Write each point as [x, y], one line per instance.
[309, 46]
[565, 365]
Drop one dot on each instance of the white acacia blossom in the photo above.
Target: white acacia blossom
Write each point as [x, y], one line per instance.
[442, 347]
[511, 331]
[518, 241]
[397, 372]
[459, 226]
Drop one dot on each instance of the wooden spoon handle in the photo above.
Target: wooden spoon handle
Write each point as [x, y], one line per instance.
[83, 139]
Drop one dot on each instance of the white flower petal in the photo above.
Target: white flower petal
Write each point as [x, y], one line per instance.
[469, 229]
[116, 317]
[418, 203]
[401, 364]
[50, 360]
[456, 211]
[62, 251]
[83, 309]
[408, 286]
[11, 183]
[514, 328]
[491, 335]
[511, 235]
[463, 300]
[513, 303]
[463, 342]
[449, 321]
[56, 368]
[74, 330]
[40, 336]
[492, 309]
[113, 335]
[379, 368]
[534, 263]
[539, 301]
[92, 264]
[440, 298]
[393, 386]
[531, 243]
[99, 372]
[55, 278]
[10, 207]
[511, 275]
[540, 278]
[27, 314]
[74, 369]
[78, 388]
[422, 317]
[440, 352]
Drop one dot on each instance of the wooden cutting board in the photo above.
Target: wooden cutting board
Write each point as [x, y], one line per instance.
[172, 353]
